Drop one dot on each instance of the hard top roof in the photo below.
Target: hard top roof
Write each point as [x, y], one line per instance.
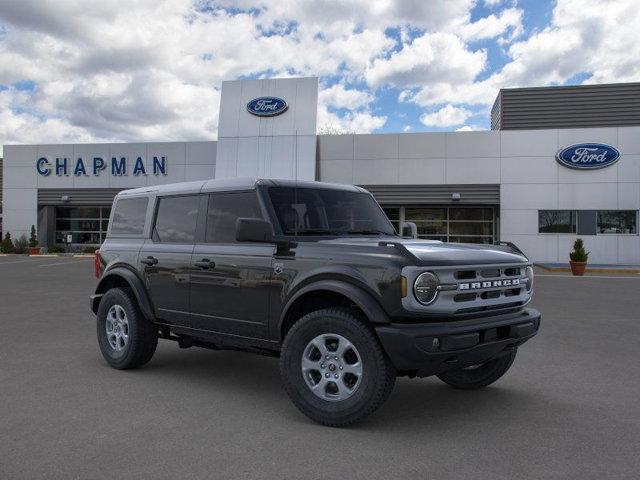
[230, 184]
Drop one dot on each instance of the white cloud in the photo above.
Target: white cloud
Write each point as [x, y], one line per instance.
[407, 128]
[492, 3]
[152, 70]
[469, 128]
[583, 37]
[509, 20]
[432, 57]
[338, 96]
[447, 116]
[351, 122]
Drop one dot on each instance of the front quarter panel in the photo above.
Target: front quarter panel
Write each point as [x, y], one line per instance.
[374, 271]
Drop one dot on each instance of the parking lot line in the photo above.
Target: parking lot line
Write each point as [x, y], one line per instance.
[84, 260]
[20, 261]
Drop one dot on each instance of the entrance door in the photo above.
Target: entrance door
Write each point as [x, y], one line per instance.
[166, 258]
[231, 281]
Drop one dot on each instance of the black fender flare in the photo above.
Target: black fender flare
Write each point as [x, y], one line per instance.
[133, 281]
[367, 303]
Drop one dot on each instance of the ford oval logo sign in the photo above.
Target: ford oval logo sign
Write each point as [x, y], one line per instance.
[588, 156]
[267, 106]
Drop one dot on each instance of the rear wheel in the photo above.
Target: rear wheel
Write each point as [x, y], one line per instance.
[334, 369]
[479, 376]
[126, 338]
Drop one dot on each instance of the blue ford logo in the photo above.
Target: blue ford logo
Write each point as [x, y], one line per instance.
[588, 156]
[267, 106]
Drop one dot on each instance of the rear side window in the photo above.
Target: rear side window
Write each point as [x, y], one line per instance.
[176, 219]
[129, 215]
[224, 210]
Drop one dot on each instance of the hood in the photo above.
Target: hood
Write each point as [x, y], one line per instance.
[435, 253]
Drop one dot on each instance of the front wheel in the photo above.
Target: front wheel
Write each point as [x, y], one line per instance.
[334, 369]
[479, 376]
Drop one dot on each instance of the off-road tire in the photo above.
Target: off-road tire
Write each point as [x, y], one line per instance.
[485, 374]
[143, 334]
[378, 376]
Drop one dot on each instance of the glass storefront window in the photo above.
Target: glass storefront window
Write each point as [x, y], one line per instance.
[449, 224]
[86, 225]
[556, 221]
[618, 221]
[393, 214]
[479, 214]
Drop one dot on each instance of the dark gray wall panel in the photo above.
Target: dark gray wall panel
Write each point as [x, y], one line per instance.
[587, 222]
[77, 196]
[435, 194]
[616, 104]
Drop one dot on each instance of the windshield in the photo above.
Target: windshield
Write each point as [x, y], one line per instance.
[310, 211]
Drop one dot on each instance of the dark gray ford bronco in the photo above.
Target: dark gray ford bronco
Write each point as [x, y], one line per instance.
[313, 273]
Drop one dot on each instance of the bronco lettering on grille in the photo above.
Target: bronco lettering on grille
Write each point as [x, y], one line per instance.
[491, 284]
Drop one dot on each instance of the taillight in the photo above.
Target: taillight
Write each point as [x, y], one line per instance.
[97, 271]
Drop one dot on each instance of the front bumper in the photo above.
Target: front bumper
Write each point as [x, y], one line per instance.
[431, 348]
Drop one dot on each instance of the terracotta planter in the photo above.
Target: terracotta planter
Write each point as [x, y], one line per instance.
[34, 250]
[578, 268]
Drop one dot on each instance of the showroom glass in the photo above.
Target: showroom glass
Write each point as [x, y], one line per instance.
[85, 224]
[129, 216]
[557, 221]
[308, 211]
[176, 219]
[453, 224]
[224, 209]
[618, 221]
[393, 214]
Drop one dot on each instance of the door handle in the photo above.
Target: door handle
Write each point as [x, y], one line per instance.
[149, 261]
[205, 264]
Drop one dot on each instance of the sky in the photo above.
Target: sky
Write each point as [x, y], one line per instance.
[77, 71]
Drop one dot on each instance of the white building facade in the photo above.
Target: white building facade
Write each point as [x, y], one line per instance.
[457, 186]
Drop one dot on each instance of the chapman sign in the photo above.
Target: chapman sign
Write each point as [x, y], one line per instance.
[96, 165]
[588, 156]
[267, 106]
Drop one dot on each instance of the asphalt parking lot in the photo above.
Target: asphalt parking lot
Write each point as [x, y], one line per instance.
[569, 408]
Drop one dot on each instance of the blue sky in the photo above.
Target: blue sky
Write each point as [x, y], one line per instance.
[77, 71]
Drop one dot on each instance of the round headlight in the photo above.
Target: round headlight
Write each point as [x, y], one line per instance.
[425, 288]
[529, 274]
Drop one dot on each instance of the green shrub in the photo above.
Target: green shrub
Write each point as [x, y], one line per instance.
[20, 245]
[33, 238]
[7, 244]
[579, 254]
[55, 249]
[89, 249]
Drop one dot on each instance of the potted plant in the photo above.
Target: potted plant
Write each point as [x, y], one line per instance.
[21, 245]
[578, 258]
[7, 244]
[33, 242]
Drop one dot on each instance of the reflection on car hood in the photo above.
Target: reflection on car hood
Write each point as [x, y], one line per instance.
[436, 253]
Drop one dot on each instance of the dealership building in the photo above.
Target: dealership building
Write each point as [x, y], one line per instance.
[559, 163]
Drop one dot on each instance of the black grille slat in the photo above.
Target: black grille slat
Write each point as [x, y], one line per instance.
[490, 273]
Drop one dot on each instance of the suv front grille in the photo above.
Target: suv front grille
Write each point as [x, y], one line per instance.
[474, 289]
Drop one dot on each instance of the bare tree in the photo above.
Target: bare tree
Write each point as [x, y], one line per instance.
[332, 129]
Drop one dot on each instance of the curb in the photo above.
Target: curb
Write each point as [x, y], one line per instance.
[591, 269]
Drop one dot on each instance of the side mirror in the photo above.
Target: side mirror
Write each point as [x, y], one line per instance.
[409, 230]
[253, 230]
